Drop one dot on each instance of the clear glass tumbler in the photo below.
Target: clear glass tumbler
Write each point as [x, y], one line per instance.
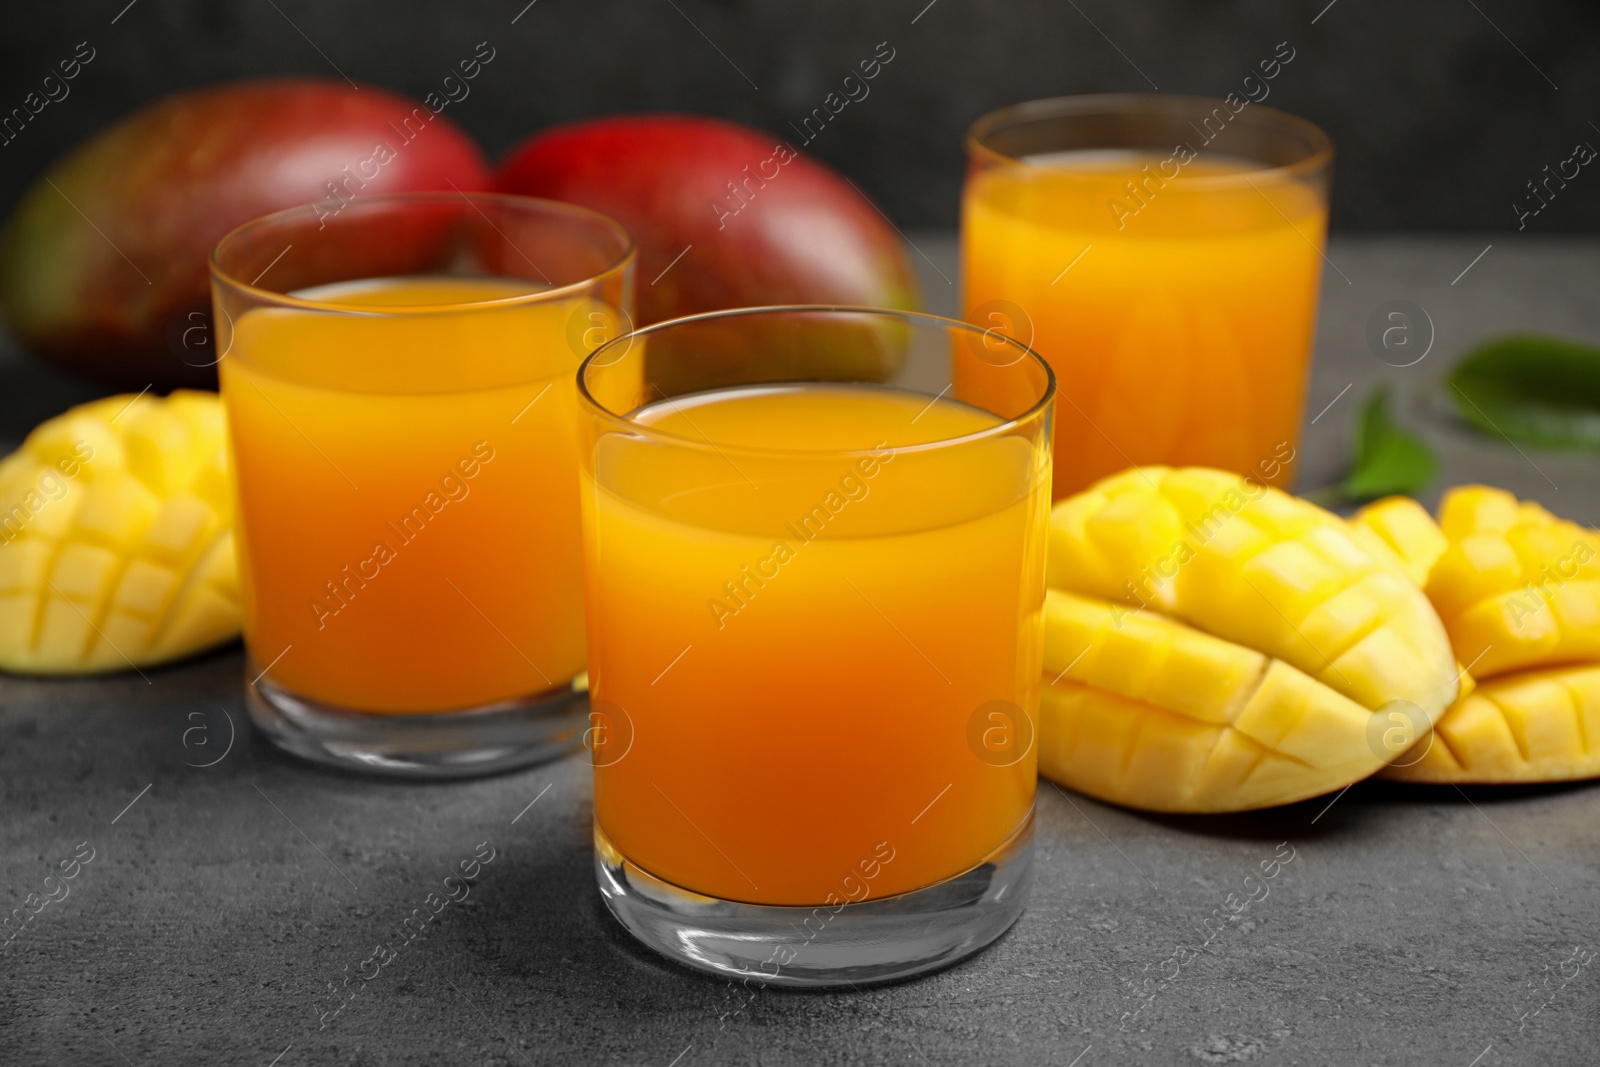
[1165, 254]
[399, 378]
[814, 546]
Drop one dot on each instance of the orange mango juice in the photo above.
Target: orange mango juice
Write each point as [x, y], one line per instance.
[408, 522]
[1177, 312]
[791, 648]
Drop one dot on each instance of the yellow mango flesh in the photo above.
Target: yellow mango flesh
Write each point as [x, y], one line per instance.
[1530, 726]
[1516, 589]
[116, 543]
[1236, 645]
[1260, 568]
[1144, 710]
[1402, 528]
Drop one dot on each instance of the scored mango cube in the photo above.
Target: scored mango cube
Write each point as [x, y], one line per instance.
[1403, 529]
[1517, 587]
[1215, 645]
[1529, 726]
[1518, 590]
[116, 537]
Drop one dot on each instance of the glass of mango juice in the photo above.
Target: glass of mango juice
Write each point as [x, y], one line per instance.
[814, 547]
[399, 379]
[1164, 253]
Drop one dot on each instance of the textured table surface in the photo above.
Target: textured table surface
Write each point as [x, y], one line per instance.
[222, 902]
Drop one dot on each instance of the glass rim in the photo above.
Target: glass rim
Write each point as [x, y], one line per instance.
[1041, 406]
[623, 260]
[1319, 158]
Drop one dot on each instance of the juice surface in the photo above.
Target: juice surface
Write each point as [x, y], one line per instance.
[408, 516]
[797, 645]
[1179, 316]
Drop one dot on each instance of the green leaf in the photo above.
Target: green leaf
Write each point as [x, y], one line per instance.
[1389, 459]
[1532, 389]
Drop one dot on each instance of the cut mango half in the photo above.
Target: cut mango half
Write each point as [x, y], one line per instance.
[1517, 587]
[1213, 645]
[1529, 726]
[116, 543]
[1518, 590]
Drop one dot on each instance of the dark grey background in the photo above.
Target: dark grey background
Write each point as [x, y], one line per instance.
[1442, 110]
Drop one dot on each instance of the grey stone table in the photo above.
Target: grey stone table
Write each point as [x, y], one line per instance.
[223, 902]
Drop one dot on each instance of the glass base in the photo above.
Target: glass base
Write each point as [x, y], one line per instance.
[457, 744]
[855, 945]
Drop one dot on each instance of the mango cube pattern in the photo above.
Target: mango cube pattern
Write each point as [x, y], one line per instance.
[116, 542]
[1216, 645]
[1519, 593]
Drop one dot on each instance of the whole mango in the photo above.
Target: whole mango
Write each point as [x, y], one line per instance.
[103, 263]
[726, 216]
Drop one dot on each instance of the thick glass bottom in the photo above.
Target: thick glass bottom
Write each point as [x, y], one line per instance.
[457, 744]
[850, 944]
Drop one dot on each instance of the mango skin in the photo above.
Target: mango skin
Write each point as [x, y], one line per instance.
[103, 266]
[789, 231]
[755, 223]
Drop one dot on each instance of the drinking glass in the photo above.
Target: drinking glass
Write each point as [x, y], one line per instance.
[398, 373]
[814, 546]
[1164, 253]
